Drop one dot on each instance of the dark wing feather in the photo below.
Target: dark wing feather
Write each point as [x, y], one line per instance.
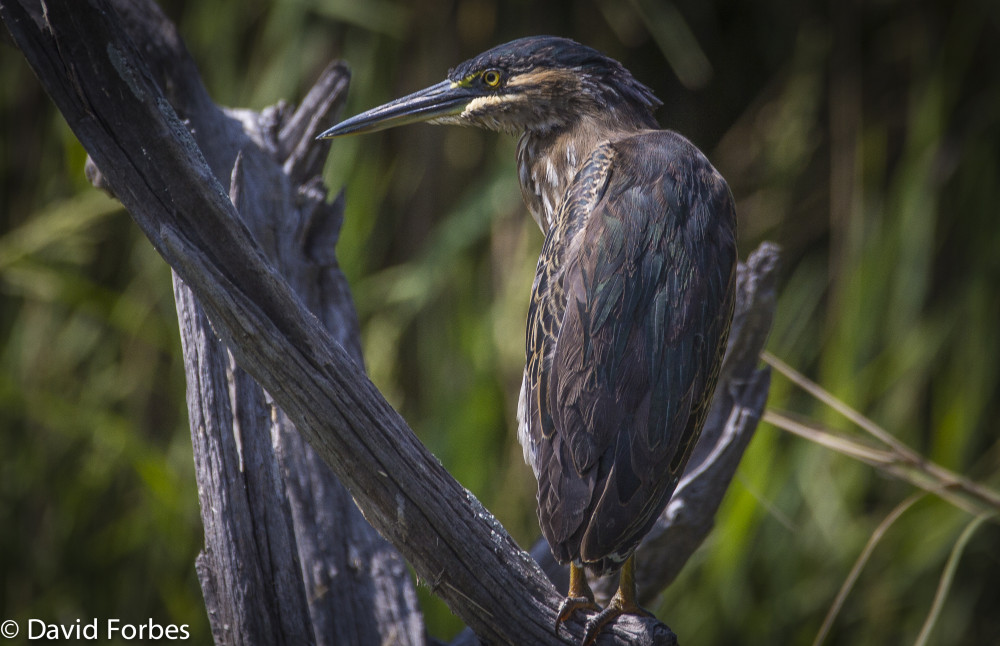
[629, 317]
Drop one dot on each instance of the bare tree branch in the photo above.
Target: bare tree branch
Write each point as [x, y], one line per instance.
[357, 589]
[288, 558]
[148, 158]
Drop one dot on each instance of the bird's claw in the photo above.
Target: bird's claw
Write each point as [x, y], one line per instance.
[570, 605]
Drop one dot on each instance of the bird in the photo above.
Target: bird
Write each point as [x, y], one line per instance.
[632, 298]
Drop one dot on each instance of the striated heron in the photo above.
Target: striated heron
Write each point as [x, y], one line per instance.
[632, 298]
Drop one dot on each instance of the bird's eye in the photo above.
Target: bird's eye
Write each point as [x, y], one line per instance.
[491, 78]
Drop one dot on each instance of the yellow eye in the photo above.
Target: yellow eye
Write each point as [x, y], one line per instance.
[491, 78]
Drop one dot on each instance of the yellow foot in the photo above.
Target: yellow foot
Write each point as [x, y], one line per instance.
[579, 596]
[614, 610]
[571, 605]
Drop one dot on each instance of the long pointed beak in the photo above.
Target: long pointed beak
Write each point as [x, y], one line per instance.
[440, 100]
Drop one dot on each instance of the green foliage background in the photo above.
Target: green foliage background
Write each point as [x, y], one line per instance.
[863, 137]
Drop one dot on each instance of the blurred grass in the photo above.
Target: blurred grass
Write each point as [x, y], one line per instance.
[865, 139]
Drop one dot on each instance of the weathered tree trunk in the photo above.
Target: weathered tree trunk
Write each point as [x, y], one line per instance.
[288, 558]
[323, 556]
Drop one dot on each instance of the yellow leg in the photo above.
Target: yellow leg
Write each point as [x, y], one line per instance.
[623, 603]
[578, 597]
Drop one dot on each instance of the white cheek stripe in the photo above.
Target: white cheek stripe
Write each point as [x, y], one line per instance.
[482, 102]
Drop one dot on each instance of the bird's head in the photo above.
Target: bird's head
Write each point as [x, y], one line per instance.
[538, 84]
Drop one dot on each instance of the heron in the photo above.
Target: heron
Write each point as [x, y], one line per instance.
[632, 297]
